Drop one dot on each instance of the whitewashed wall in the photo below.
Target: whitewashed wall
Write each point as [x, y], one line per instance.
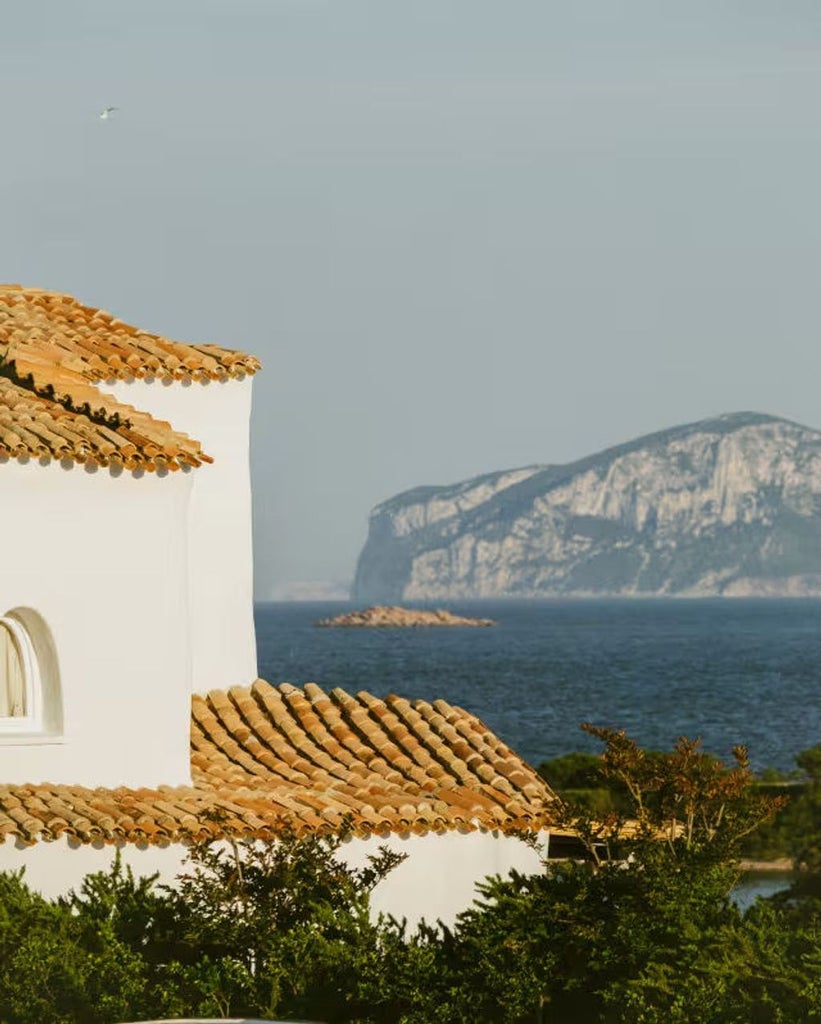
[101, 558]
[216, 413]
[436, 881]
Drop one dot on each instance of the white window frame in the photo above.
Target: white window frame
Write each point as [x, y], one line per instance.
[32, 721]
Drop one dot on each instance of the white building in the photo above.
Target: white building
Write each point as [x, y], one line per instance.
[126, 588]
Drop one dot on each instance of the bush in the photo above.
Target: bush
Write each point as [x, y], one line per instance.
[54, 968]
[642, 931]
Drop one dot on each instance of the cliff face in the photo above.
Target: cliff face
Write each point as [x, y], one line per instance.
[727, 506]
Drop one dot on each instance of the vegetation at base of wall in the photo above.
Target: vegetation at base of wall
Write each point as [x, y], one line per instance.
[642, 930]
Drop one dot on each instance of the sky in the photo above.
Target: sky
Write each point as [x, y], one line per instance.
[461, 235]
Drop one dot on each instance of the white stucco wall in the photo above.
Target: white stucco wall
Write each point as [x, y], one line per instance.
[438, 879]
[102, 559]
[216, 413]
[436, 882]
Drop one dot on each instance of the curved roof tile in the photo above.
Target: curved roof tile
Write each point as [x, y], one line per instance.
[110, 434]
[53, 353]
[265, 757]
[43, 332]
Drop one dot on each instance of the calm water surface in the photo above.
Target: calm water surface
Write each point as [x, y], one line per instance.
[727, 671]
[760, 884]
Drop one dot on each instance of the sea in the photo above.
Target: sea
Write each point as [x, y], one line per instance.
[727, 672]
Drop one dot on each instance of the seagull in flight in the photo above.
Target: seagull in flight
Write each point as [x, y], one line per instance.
[106, 112]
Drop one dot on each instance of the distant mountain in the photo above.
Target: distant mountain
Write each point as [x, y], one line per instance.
[311, 590]
[728, 506]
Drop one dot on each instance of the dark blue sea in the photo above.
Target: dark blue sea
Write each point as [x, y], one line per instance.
[727, 671]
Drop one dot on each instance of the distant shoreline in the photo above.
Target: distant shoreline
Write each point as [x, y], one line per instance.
[574, 598]
[781, 865]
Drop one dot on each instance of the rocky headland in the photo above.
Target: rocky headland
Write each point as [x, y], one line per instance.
[391, 616]
[728, 507]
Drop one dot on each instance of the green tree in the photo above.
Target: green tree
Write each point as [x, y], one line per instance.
[572, 771]
[641, 930]
[809, 762]
[264, 928]
[764, 969]
[685, 805]
[574, 942]
[805, 824]
[55, 969]
[254, 928]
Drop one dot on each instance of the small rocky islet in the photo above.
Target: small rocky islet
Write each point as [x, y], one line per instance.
[394, 617]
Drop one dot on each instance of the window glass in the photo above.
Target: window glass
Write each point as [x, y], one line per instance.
[14, 684]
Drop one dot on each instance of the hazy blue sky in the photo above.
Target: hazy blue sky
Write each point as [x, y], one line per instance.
[462, 235]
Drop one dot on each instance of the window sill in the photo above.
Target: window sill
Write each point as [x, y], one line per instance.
[29, 739]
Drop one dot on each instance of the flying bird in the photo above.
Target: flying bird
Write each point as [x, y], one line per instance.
[106, 112]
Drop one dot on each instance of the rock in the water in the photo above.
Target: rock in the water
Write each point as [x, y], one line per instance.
[729, 506]
[393, 617]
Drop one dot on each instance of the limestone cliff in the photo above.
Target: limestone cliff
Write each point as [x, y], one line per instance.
[728, 506]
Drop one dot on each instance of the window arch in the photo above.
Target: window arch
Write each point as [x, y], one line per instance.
[20, 683]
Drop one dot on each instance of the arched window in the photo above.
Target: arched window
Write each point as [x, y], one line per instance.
[20, 686]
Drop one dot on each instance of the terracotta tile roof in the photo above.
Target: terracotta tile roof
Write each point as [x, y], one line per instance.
[101, 431]
[266, 756]
[43, 334]
[53, 353]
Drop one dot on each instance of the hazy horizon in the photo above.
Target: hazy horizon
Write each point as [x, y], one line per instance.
[461, 237]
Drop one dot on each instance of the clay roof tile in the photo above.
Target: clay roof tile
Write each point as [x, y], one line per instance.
[266, 757]
[54, 351]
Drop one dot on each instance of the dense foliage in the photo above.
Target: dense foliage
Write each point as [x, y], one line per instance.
[793, 832]
[642, 929]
